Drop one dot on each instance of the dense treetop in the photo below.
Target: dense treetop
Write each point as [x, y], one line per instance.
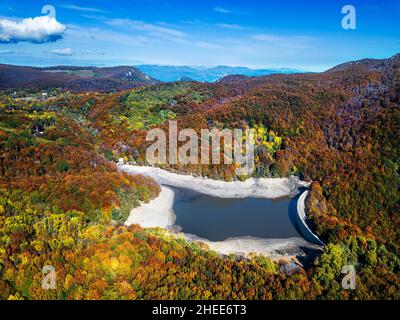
[63, 201]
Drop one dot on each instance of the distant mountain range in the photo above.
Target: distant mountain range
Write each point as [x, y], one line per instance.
[73, 78]
[107, 79]
[204, 74]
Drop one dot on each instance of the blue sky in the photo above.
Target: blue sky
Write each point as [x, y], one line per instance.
[305, 35]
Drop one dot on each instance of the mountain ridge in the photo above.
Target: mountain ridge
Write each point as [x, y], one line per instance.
[119, 78]
[206, 74]
[73, 78]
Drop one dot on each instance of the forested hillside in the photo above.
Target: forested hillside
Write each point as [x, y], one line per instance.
[63, 202]
[76, 79]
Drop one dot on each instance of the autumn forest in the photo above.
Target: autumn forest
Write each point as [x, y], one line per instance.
[63, 201]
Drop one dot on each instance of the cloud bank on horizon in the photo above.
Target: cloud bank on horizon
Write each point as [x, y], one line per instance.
[253, 33]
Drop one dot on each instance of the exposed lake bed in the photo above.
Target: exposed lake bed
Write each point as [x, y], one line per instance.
[254, 216]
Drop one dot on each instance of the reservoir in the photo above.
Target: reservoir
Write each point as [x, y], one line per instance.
[218, 219]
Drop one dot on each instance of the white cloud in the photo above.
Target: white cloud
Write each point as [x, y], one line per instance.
[231, 26]
[221, 10]
[294, 42]
[13, 52]
[147, 27]
[223, 25]
[84, 35]
[37, 30]
[63, 52]
[79, 8]
[151, 32]
[90, 52]
[7, 52]
[207, 45]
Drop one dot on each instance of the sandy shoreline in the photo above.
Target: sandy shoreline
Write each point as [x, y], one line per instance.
[274, 249]
[159, 212]
[156, 213]
[269, 188]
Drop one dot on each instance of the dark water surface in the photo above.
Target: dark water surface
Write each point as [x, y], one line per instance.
[218, 219]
